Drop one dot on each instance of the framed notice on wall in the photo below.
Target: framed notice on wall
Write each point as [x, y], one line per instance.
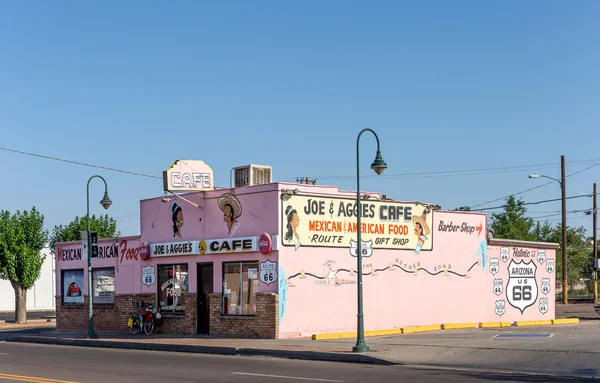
[72, 285]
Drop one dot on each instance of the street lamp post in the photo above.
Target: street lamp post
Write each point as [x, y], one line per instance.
[106, 202]
[564, 227]
[378, 166]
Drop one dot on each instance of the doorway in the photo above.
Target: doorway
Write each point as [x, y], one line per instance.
[205, 287]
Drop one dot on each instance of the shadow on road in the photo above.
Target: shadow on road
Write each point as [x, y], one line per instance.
[486, 376]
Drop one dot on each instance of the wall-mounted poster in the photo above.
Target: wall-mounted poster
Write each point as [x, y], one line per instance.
[104, 286]
[72, 282]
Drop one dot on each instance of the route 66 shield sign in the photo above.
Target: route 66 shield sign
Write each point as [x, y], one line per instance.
[367, 248]
[522, 288]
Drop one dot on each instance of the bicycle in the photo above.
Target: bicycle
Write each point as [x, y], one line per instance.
[143, 319]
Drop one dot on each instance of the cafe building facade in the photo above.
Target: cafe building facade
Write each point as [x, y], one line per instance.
[279, 260]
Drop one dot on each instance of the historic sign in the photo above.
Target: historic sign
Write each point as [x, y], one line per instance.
[173, 249]
[188, 176]
[228, 245]
[148, 275]
[331, 222]
[522, 288]
[268, 272]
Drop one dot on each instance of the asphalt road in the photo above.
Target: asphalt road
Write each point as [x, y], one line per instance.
[62, 364]
[10, 316]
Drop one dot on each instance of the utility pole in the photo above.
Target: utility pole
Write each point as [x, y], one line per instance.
[306, 180]
[564, 231]
[595, 247]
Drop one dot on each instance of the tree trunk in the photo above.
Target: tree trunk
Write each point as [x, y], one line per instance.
[20, 303]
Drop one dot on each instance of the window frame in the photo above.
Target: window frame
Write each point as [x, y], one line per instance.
[114, 284]
[173, 312]
[241, 263]
[62, 288]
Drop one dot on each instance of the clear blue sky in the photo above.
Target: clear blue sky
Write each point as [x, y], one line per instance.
[447, 85]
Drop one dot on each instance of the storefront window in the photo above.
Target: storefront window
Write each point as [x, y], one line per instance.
[240, 285]
[72, 287]
[103, 284]
[172, 284]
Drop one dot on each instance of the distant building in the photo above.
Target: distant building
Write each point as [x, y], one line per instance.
[40, 296]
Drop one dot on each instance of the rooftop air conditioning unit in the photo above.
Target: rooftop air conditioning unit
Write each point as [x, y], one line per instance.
[252, 175]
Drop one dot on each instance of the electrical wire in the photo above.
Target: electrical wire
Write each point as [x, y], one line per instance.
[535, 187]
[537, 202]
[457, 172]
[79, 163]
[89, 165]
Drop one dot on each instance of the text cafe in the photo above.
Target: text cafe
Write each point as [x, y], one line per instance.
[279, 260]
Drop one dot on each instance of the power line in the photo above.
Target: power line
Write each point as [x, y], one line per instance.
[535, 187]
[536, 202]
[503, 169]
[79, 163]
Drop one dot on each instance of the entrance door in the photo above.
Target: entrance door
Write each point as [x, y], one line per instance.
[205, 287]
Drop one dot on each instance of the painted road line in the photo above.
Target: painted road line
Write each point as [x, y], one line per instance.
[33, 379]
[286, 377]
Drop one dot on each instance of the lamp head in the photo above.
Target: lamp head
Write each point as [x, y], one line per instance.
[379, 164]
[534, 176]
[106, 202]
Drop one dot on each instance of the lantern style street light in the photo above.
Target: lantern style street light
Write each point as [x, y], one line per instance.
[378, 166]
[106, 202]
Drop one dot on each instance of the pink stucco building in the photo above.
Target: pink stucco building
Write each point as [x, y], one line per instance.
[278, 260]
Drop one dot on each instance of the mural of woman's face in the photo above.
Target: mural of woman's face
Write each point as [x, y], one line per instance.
[418, 229]
[179, 219]
[228, 213]
[295, 220]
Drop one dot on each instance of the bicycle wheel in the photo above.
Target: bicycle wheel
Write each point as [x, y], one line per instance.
[149, 327]
[133, 323]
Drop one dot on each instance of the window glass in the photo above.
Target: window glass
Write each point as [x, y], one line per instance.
[240, 285]
[103, 284]
[72, 286]
[172, 284]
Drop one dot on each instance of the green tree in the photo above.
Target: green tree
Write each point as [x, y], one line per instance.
[436, 207]
[463, 208]
[580, 260]
[22, 237]
[104, 225]
[512, 222]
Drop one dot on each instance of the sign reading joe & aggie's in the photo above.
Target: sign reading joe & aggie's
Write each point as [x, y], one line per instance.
[331, 222]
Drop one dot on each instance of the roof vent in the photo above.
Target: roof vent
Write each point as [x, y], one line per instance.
[252, 175]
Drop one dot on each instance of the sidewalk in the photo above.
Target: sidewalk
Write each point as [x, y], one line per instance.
[559, 349]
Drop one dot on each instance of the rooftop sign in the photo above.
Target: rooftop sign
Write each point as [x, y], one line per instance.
[188, 176]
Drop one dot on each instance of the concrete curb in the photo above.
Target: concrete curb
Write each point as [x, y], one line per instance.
[214, 350]
[445, 326]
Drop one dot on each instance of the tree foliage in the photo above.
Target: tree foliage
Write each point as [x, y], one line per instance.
[512, 222]
[22, 238]
[104, 225]
[463, 208]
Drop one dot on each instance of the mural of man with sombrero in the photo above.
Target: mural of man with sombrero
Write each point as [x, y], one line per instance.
[421, 229]
[232, 209]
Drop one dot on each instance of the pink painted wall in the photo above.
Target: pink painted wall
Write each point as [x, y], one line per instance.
[451, 283]
[259, 212]
[507, 296]
[259, 206]
[125, 269]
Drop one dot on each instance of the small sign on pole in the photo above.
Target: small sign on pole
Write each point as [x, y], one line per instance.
[94, 243]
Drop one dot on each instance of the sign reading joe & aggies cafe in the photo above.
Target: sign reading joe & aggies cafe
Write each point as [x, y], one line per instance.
[331, 222]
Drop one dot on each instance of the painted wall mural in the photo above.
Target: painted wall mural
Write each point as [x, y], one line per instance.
[317, 290]
[523, 278]
[447, 285]
[211, 214]
[311, 221]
